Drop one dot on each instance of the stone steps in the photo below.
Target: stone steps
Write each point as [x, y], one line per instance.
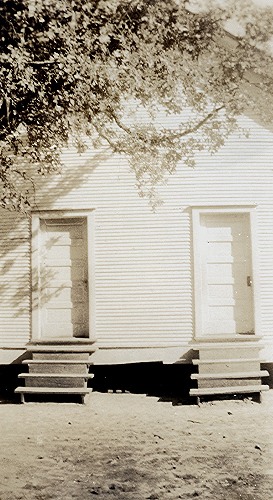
[229, 390]
[72, 348]
[260, 373]
[228, 368]
[52, 390]
[224, 360]
[57, 368]
[55, 375]
[55, 379]
[55, 361]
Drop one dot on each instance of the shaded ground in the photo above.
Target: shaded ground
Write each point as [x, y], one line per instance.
[132, 447]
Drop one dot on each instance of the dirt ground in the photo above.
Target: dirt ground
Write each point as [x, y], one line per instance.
[134, 447]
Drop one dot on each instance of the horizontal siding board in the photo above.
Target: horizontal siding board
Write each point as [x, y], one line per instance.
[143, 265]
[14, 280]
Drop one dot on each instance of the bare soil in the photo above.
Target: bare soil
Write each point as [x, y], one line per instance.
[133, 447]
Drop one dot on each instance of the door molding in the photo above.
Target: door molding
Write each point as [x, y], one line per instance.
[36, 247]
[197, 212]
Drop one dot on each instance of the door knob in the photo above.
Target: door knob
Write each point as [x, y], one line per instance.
[249, 281]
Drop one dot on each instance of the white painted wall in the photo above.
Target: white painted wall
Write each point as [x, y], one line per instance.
[14, 280]
[143, 268]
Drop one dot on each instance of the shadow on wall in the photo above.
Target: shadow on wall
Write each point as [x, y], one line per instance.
[74, 175]
[15, 241]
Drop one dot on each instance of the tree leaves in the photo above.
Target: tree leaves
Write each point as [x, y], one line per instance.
[68, 69]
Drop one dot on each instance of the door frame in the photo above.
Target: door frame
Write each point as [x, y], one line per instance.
[197, 212]
[36, 247]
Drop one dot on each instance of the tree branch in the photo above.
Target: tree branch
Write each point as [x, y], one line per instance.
[120, 124]
[42, 63]
[171, 135]
[104, 136]
[192, 130]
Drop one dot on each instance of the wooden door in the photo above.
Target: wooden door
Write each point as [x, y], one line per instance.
[64, 278]
[227, 301]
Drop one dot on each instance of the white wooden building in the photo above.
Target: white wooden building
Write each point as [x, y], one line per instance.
[94, 262]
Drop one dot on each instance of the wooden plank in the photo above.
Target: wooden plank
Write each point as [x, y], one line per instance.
[228, 352]
[60, 341]
[52, 390]
[56, 375]
[198, 376]
[57, 368]
[62, 348]
[229, 390]
[237, 339]
[230, 382]
[229, 367]
[56, 361]
[234, 360]
[247, 344]
[84, 356]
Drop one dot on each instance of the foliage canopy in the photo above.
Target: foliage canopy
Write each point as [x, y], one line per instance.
[68, 68]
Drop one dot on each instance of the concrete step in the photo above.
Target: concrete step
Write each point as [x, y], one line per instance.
[57, 366]
[65, 368]
[199, 376]
[56, 379]
[53, 390]
[228, 382]
[63, 341]
[56, 348]
[63, 382]
[56, 375]
[228, 354]
[224, 360]
[225, 345]
[239, 338]
[229, 367]
[228, 390]
[56, 361]
[84, 356]
[82, 391]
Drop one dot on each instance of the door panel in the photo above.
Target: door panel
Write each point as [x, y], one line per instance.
[64, 278]
[227, 303]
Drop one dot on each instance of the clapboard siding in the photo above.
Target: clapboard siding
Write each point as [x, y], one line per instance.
[143, 260]
[14, 280]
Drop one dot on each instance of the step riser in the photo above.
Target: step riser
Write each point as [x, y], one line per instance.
[228, 390]
[237, 375]
[227, 367]
[52, 390]
[58, 368]
[53, 349]
[61, 355]
[229, 353]
[55, 382]
[55, 341]
[207, 383]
